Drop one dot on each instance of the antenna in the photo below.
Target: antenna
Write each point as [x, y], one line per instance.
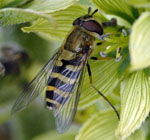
[94, 12]
[89, 10]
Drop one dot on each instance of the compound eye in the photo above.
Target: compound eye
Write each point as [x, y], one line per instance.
[93, 26]
[77, 21]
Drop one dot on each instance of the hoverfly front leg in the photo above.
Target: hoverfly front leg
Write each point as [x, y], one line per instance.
[111, 23]
[108, 49]
[104, 36]
[103, 54]
[105, 98]
[101, 58]
[117, 58]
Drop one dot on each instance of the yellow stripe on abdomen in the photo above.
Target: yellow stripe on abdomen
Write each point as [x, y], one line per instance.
[52, 102]
[50, 88]
[58, 91]
[63, 78]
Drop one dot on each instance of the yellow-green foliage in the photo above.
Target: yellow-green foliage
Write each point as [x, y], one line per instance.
[126, 83]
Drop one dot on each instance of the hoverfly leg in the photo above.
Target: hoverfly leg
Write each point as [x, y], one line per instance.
[102, 54]
[104, 36]
[101, 58]
[124, 32]
[112, 22]
[89, 73]
[118, 54]
[99, 43]
[104, 97]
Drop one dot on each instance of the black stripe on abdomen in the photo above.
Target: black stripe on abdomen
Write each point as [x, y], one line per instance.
[66, 72]
[54, 99]
[59, 100]
[64, 88]
[75, 62]
[57, 83]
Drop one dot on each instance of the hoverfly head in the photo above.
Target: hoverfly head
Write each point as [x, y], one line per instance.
[88, 23]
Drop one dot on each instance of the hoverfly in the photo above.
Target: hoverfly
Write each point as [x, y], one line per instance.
[62, 76]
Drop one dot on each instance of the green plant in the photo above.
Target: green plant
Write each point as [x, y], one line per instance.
[126, 82]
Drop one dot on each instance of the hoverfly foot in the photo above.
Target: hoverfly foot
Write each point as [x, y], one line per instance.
[124, 32]
[118, 54]
[102, 37]
[102, 54]
[118, 59]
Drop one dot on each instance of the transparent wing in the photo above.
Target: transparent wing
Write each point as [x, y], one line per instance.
[36, 86]
[64, 115]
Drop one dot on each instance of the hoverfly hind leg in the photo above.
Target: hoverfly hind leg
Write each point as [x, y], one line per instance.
[104, 97]
[90, 73]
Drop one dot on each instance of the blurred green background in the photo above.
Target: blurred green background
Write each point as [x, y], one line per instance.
[33, 52]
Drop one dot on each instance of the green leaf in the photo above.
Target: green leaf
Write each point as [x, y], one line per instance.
[138, 135]
[16, 16]
[5, 2]
[138, 3]
[48, 6]
[105, 78]
[55, 136]
[10, 3]
[140, 42]
[84, 2]
[63, 22]
[117, 7]
[135, 102]
[100, 126]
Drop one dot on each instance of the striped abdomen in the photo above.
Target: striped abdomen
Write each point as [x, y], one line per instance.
[62, 79]
[68, 67]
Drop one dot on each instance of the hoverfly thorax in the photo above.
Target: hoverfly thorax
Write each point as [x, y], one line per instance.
[90, 30]
[82, 39]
